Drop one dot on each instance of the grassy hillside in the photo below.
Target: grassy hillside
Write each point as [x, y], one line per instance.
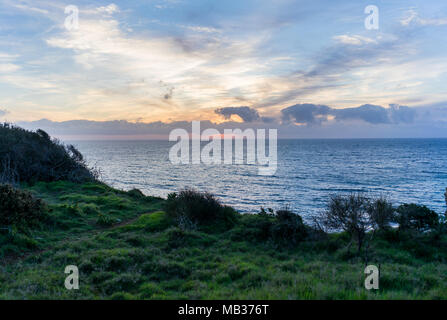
[126, 247]
[54, 213]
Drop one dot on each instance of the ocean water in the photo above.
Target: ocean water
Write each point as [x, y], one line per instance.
[309, 171]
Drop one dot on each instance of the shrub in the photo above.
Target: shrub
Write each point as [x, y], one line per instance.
[350, 214]
[123, 282]
[28, 156]
[19, 208]
[253, 227]
[381, 213]
[136, 193]
[148, 290]
[198, 208]
[104, 220]
[288, 228]
[416, 217]
[90, 209]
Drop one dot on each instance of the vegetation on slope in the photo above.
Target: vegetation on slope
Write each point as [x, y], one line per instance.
[190, 246]
[145, 253]
[27, 156]
[70, 210]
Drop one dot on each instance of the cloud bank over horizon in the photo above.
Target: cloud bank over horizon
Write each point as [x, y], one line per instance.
[311, 114]
[297, 121]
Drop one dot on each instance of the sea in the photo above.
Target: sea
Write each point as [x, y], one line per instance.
[308, 172]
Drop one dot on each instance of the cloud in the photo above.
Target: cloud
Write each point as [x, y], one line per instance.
[412, 18]
[377, 114]
[311, 114]
[168, 95]
[306, 113]
[247, 114]
[110, 9]
[3, 112]
[214, 56]
[353, 40]
[123, 129]
[7, 56]
[202, 67]
[364, 122]
[351, 67]
[201, 29]
[402, 114]
[8, 67]
[30, 8]
[367, 112]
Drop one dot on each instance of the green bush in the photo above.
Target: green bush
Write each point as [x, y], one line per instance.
[381, 213]
[350, 213]
[123, 282]
[190, 207]
[136, 193]
[90, 209]
[19, 208]
[288, 228]
[416, 217]
[104, 220]
[253, 227]
[27, 156]
[284, 227]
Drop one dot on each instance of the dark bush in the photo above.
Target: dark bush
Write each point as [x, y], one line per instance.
[27, 156]
[136, 193]
[416, 217]
[199, 208]
[253, 227]
[381, 213]
[19, 208]
[288, 228]
[348, 213]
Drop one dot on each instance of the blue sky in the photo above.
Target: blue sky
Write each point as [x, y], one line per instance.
[175, 60]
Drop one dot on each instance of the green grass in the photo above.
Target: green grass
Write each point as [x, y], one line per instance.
[141, 254]
[76, 210]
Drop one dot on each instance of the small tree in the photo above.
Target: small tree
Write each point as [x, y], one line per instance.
[200, 208]
[288, 228]
[381, 213]
[415, 217]
[350, 214]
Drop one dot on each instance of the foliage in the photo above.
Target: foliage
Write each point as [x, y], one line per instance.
[381, 213]
[288, 228]
[136, 193]
[253, 227]
[350, 214]
[196, 207]
[19, 208]
[148, 256]
[416, 217]
[71, 209]
[27, 156]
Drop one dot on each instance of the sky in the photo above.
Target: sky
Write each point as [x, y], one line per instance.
[307, 68]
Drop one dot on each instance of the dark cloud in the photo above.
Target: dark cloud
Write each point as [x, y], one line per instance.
[306, 113]
[168, 95]
[367, 112]
[157, 130]
[246, 113]
[312, 114]
[402, 114]
[268, 119]
[393, 122]
[3, 112]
